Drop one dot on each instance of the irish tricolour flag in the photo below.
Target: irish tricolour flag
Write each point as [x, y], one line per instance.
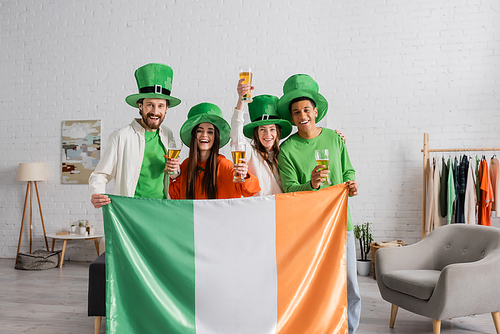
[260, 265]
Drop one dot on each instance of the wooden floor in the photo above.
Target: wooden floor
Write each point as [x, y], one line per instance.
[55, 301]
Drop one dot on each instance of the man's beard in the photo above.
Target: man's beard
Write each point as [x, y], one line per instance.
[150, 123]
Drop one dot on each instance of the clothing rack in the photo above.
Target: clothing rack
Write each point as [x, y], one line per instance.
[426, 150]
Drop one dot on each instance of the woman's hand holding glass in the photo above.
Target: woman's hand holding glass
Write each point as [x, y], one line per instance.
[246, 75]
[238, 151]
[242, 90]
[241, 168]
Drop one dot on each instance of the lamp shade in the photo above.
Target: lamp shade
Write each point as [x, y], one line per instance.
[31, 171]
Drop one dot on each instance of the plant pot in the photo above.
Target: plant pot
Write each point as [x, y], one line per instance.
[364, 267]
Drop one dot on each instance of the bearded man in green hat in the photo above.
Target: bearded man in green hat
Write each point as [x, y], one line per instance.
[135, 154]
[302, 105]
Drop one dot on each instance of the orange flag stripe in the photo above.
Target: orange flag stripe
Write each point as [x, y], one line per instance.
[311, 265]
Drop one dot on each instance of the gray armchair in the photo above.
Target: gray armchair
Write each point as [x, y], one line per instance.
[453, 272]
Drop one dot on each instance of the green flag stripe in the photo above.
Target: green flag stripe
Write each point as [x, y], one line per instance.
[154, 263]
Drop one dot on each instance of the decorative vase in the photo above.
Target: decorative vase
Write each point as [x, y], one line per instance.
[364, 267]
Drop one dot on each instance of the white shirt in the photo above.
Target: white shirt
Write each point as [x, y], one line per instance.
[437, 187]
[122, 159]
[256, 164]
[470, 197]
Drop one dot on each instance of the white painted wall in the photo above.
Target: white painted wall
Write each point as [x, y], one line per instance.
[391, 70]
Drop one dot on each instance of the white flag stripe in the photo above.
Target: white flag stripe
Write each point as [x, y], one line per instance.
[236, 282]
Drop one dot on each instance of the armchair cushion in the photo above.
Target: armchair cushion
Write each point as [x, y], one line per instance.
[416, 283]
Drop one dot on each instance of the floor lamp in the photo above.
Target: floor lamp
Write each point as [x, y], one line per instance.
[31, 172]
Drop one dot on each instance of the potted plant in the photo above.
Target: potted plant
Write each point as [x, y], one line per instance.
[363, 232]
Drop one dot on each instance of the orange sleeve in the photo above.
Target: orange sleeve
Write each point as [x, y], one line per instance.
[250, 187]
[486, 185]
[230, 189]
[177, 187]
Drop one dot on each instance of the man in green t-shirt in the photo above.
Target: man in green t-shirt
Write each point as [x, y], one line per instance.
[304, 106]
[135, 154]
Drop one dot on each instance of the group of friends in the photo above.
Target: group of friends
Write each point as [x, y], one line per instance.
[136, 158]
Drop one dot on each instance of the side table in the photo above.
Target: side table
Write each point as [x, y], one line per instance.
[68, 237]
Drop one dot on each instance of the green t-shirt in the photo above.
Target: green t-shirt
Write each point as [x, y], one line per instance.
[150, 184]
[450, 200]
[296, 161]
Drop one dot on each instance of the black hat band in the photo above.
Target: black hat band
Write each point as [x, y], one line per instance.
[157, 89]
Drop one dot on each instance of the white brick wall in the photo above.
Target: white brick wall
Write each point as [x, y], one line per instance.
[391, 70]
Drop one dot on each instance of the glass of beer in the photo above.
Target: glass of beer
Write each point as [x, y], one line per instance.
[322, 158]
[238, 152]
[246, 73]
[174, 149]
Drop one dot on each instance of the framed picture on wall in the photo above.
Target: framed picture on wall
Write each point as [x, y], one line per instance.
[81, 150]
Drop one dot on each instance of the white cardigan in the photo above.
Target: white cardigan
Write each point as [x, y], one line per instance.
[256, 165]
[122, 159]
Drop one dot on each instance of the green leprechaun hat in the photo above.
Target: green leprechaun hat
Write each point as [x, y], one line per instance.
[301, 85]
[209, 113]
[154, 82]
[264, 111]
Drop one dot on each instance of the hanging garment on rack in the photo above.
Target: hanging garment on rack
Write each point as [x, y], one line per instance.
[484, 210]
[450, 198]
[444, 188]
[478, 183]
[456, 168]
[470, 199]
[429, 205]
[495, 185]
[461, 186]
[437, 185]
[456, 178]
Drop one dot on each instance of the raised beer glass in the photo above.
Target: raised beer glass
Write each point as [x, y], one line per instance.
[174, 149]
[247, 74]
[322, 158]
[238, 152]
